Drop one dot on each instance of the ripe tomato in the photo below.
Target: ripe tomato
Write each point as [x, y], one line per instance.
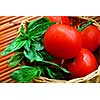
[65, 20]
[62, 41]
[54, 18]
[90, 38]
[83, 64]
[59, 19]
[99, 40]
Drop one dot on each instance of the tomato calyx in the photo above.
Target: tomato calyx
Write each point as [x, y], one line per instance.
[85, 26]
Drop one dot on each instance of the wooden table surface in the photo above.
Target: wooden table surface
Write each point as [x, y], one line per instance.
[9, 26]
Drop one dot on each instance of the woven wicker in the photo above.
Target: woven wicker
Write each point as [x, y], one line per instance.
[93, 77]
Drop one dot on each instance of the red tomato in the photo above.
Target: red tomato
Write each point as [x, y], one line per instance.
[65, 20]
[99, 40]
[90, 37]
[62, 41]
[54, 18]
[84, 64]
[59, 19]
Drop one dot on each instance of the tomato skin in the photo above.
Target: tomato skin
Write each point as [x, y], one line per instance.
[99, 40]
[84, 64]
[54, 18]
[90, 38]
[65, 20]
[59, 19]
[62, 41]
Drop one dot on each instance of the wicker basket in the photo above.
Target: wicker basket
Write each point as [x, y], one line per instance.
[93, 77]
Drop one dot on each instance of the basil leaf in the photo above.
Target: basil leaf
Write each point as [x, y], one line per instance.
[46, 55]
[56, 66]
[54, 74]
[32, 55]
[27, 45]
[50, 63]
[40, 29]
[29, 55]
[16, 44]
[50, 73]
[36, 22]
[16, 59]
[38, 45]
[26, 74]
[85, 26]
[64, 70]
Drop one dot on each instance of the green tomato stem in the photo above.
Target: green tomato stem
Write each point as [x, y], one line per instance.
[86, 25]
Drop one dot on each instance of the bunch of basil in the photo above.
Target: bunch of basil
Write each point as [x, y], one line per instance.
[28, 48]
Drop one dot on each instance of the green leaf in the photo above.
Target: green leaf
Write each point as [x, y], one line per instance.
[36, 22]
[50, 63]
[40, 29]
[38, 45]
[64, 70]
[46, 55]
[16, 44]
[86, 25]
[32, 55]
[16, 59]
[29, 54]
[27, 45]
[56, 66]
[54, 74]
[26, 74]
[50, 73]
[23, 33]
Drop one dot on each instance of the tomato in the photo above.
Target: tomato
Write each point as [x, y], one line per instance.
[54, 18]
[83, 64]
[62, 41]
[65, 20]
[90, 38]
[99, 40]
[59, 19]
